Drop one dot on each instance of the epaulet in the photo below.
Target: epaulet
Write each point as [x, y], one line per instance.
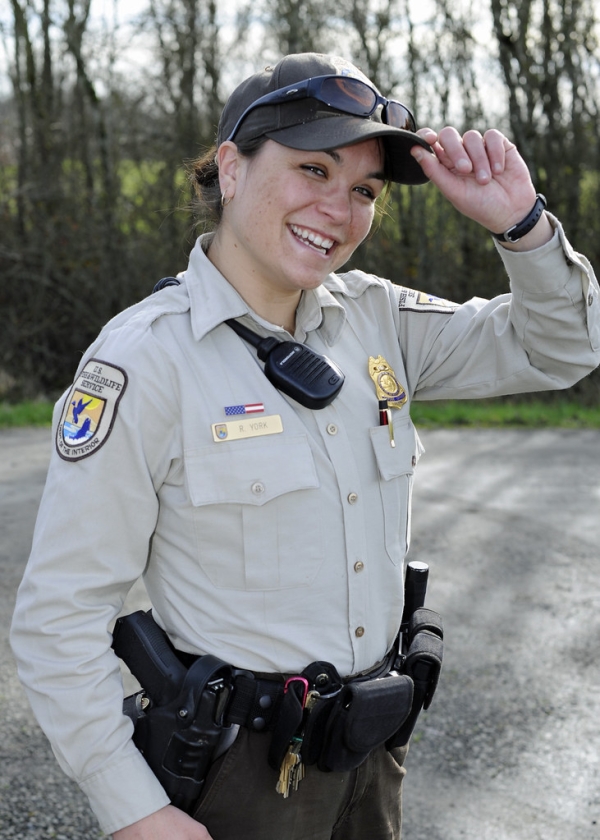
[173, 300]
[353, 283]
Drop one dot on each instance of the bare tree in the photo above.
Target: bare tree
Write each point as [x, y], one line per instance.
[548, 54]
[190, 55]
[65, 258]
[375, 29]
[293, 26]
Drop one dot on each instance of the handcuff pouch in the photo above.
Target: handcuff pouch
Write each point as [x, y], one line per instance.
[364, 716]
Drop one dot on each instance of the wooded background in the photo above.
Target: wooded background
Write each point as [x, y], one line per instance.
[100, 110]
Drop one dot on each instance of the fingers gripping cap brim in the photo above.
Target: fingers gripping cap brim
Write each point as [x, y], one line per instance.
[336, 131]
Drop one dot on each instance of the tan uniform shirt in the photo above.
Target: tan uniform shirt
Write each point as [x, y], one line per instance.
[271, 538]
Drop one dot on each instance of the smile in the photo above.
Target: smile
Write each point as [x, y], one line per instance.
[314, 240]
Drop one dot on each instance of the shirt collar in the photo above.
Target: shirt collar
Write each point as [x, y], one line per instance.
[213, 300]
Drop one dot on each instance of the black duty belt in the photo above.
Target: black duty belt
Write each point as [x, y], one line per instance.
[256, 697]
[315, 717]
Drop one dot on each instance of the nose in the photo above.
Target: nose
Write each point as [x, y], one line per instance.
[337, 205]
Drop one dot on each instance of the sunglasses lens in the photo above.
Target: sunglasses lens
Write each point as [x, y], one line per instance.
[349, 95]
[400, 117]
[355, 97]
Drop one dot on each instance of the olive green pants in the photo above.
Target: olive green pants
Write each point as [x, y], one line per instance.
[239, 799]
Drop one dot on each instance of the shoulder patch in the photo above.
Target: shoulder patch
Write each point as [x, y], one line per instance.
[90, 409]
[410, 299]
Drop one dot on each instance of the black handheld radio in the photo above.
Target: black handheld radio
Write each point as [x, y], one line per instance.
[309, 378]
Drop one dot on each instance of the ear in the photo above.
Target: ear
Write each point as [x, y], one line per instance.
[228, 160]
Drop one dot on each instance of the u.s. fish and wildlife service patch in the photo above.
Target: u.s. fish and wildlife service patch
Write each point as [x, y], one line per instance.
[416, 301]
[90, 409]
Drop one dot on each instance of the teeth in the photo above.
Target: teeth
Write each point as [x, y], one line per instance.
[314, 239]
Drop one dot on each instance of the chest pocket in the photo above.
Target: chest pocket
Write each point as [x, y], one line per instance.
[257, 515]
[396, 467]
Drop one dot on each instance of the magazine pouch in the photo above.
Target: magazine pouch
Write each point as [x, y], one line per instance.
[422, 664]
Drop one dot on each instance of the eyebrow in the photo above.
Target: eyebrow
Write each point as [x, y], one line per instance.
[338, 159]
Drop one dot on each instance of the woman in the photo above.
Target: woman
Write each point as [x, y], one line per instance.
[271, 531]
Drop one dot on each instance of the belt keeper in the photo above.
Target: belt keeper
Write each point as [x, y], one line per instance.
[254, 703]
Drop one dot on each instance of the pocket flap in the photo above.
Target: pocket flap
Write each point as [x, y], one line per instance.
[400, 459]
[250, 471]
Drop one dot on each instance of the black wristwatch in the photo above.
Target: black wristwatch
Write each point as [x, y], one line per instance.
[518, 231]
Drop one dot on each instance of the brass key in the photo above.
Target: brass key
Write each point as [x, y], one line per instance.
[296, 774]
[292, 769]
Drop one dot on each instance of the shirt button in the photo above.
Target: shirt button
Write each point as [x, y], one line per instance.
[258, 488]
[332, 429]
[359, 566]
[352, 498]
[590, 298]
[360, 631]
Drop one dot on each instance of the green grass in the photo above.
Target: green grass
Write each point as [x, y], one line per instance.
[505, 414]
[36, 413]
[525, 414]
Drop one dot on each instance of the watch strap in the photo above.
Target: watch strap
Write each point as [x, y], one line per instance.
[518, 231]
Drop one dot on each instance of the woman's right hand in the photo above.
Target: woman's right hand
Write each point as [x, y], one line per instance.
[167, 824]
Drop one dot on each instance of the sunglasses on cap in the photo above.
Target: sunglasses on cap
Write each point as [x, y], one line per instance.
[344, 93]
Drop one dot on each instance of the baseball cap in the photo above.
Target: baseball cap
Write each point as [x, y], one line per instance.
[312, 125]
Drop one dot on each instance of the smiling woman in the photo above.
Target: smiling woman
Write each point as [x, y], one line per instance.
[278, 703]
[293, 217]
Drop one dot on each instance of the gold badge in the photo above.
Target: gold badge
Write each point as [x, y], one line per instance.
[387, 386]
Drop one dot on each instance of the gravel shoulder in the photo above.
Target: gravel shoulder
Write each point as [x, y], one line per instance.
[509, 523]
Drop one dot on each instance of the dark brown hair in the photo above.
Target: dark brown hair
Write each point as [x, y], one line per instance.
[203, 174]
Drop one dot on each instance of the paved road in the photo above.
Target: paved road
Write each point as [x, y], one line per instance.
[509, 523]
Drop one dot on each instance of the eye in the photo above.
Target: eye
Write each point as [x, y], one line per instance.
[367, 192]
[313, 167]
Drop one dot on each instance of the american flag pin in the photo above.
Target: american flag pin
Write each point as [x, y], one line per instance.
[248, 408]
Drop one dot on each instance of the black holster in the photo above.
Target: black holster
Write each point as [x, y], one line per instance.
[178, 740]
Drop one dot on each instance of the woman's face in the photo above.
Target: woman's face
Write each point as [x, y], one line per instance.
[296, 216]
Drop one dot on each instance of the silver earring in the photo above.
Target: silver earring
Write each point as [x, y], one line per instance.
[225, 199]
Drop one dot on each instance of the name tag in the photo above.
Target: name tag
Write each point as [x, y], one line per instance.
[247, 428]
